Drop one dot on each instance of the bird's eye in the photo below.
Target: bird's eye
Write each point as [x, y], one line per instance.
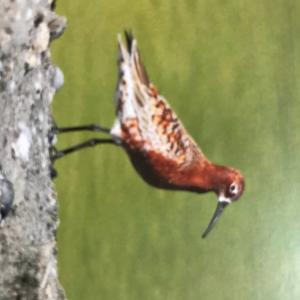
[233, 188]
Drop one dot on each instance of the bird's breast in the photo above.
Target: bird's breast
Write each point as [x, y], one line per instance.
[162, 172]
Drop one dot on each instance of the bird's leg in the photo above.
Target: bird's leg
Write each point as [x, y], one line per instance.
[89, 143]
[89, 127]
[55, 154]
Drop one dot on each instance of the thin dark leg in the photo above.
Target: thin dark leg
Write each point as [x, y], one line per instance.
[89, 127]
[89, 143]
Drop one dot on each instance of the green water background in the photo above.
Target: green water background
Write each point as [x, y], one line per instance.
[231, 71]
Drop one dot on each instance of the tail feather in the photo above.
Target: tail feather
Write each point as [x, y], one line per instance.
[134, 54]
[141, 70]
[132, 83]
[129, 40]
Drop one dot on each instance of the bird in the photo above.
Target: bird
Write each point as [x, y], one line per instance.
[161, 150]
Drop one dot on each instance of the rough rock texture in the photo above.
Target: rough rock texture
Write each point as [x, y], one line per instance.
[28, 82]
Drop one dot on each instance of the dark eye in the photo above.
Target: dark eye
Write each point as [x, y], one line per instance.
[232, 188]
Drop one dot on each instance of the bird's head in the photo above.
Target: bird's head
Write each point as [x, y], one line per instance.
[229, 188]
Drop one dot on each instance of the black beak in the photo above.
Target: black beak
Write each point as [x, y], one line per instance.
[215, 217]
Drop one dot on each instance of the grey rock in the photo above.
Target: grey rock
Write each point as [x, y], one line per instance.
[28, 82]
[7, 195]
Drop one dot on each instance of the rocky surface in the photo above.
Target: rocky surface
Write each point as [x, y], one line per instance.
[28, 81]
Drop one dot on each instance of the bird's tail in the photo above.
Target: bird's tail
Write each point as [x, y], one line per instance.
[130, 55]
[129, 40]
[132, 83]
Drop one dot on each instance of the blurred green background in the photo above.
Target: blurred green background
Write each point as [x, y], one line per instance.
[231, 71]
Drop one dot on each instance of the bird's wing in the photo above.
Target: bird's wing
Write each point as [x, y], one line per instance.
[144, 118]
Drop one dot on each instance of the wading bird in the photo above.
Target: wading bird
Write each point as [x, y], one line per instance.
[158, 145]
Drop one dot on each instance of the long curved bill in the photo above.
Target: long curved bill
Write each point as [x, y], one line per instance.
[215, 217]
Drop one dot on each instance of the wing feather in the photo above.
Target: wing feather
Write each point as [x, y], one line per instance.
[145, 120]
